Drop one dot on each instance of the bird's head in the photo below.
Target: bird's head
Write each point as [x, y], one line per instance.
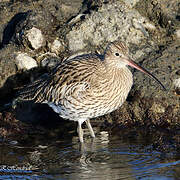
[117, 55]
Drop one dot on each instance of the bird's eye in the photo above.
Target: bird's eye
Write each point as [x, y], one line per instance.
[117, 54]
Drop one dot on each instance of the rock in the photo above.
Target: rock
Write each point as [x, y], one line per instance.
[7, 71]
[47, 17]
[163, 65]
[10, 15]
[131, 3]
[7, 66]
[111, 22]
[24, 61]
[163, 13]
[147, 93]
[56, 46]
[158, 108]
[178, 33]
[34, 29]
[49, 60]
[36, 38]
[177, 83]
[5, 1]
[63, 10]
[169, 8]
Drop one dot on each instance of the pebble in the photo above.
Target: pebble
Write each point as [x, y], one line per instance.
[35, 38]
[24, 61]
[56, 46]
[178, 33]
[177, 83]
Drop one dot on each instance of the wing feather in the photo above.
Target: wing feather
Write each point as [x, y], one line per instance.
[70, 78]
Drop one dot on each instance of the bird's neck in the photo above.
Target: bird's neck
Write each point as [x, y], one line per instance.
[118, 73]
[120, 77]
[116, 83]
[113, 76]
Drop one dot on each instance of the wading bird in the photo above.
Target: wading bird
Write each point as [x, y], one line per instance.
[86, 86]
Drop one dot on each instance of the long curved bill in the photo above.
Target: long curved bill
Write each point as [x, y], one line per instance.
[136, 66]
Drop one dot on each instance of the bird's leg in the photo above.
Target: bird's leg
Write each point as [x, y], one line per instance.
[80, 132]
[82, 148]
[90, 128]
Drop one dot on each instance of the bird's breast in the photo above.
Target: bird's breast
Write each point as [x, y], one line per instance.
[103, 96]
[113, 91]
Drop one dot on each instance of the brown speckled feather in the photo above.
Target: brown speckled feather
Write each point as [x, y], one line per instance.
[71, 72]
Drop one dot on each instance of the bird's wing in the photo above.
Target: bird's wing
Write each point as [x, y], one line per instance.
[71, 78]
[76, 90]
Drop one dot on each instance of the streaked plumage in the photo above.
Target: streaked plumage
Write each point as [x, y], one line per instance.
[86, 86]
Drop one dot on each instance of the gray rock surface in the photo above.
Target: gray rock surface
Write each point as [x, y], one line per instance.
[164, 105]
[111, 22]
[7, 66]
[63, 10]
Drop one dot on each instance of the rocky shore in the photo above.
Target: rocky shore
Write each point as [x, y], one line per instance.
[35, 36]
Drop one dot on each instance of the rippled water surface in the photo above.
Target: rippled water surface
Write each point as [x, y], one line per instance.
[104, 158]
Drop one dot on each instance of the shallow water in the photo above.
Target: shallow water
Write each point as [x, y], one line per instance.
[104, 158]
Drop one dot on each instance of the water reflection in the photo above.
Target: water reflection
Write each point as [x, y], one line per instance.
[103, 158]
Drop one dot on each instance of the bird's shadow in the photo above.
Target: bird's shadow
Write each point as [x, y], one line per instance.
[41, 115]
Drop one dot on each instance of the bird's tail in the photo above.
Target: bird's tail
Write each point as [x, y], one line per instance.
[31, 92]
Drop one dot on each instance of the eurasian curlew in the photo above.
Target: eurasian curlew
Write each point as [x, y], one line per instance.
[86, 86]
